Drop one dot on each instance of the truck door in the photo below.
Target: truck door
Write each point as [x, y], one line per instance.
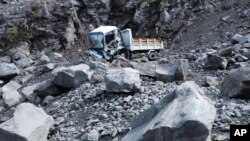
[127, 37]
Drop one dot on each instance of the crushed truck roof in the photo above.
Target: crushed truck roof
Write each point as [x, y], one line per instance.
[104, 29]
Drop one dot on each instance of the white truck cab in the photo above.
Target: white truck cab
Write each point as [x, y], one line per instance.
[108, 41]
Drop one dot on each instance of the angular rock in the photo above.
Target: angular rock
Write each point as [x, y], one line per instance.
[64, 79]
[48, 67]
[24, 62]
[98, 65]
[172, 118]
[46, 88]
[11, 98]
[122, 80]
[245, 52]
[146, 69]
[171, 72]
[28, 92]
[44, 60]
[237, 84]
[227, 52]
[215, 62]
[211, 81]
[29, 122]
[5, 59]
[8, 71]
[72, 77]
[11, 86]
[21, 48]
[239, 39]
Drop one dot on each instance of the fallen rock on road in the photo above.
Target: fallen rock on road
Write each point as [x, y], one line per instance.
[186, 114]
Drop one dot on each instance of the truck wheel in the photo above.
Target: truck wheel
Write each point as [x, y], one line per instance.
[152, 56]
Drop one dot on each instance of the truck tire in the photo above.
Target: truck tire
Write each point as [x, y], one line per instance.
[152, 56]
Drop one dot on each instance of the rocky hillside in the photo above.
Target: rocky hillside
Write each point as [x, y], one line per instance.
[50, 89]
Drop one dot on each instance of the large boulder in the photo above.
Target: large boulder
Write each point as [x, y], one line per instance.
[29, 122]
[236, 84]
[171, 72]
[146, 69]
[185, 115]
[46, 88]
[122, 80]
[64, 78]
[8, 71]
[73, 76]
[215, 62]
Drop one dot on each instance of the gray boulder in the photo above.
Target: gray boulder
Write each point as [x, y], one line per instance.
[215, 62]
[186, 114]
[8, 71]
[48, 67]
[64, 78]
[10, 95]
[11, 86]
[146, 69]
[24, 62]
[11, 98]
[5, 59]
[73, 76]
[239, 39]
[29, 122]
[46, 88]
[28, 92]
[236, 84]
[98, 65]
[122, 80]
[171, 72]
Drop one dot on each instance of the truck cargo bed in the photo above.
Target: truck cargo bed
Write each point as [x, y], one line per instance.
[146, 44]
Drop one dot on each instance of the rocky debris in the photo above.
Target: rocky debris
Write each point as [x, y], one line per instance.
[20, 51]
[10, 94]
[64, 78]
[97, 65]
[146, 69]
[5, 59]
[8, 71]
[46, 88]
[49, 67]
[44, 60]
[73, 76]
[93, 135]
[171, 72]
[29, 122]
[190, 109]
[124, 80]
[236, 84]
[239, 39]
[24, 62]
[11, 86]
[215, 62]
[227, 52]
[28, 92]
[8, 136]
[211, 81]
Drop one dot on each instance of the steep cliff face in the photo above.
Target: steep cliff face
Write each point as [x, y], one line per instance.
[64, 24]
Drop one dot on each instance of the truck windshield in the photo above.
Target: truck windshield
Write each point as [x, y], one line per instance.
[96, 40]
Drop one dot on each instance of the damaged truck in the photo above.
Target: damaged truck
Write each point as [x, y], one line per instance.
[109, 41]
